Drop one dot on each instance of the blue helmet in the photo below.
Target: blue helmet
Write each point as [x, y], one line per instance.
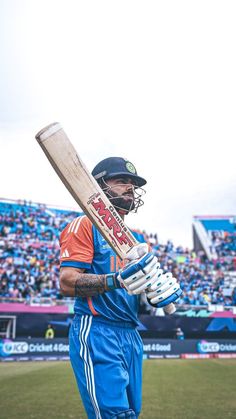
[113, 167]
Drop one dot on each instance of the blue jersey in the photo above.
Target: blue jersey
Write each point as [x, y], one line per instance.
[82, 246]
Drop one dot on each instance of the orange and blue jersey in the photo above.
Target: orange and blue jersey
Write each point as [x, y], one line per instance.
[82, 246]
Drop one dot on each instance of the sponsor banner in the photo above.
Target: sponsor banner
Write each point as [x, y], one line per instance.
[168, 347]
[155, 356]
[58, 349]
[188, 346]
[201, 356]
[196, 356]
[33, 349]
[162, 357]
[172, 356]
[224, 355]
[206, 346]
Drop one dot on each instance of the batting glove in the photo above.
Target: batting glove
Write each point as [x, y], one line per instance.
[139, 274]
[164, 290]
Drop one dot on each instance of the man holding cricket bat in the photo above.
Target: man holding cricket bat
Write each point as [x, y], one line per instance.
[105, 347]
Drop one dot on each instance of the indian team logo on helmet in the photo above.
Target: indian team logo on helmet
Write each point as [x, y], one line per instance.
[130, 167]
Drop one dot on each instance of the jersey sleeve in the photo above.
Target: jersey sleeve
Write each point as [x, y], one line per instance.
[76, 244]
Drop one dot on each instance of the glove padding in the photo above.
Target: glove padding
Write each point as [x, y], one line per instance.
[143, 273]
[164, 290]
[139, 274]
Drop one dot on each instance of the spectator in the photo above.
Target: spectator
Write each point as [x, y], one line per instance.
[29, 255]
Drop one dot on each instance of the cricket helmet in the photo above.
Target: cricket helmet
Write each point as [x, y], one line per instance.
[114, 167]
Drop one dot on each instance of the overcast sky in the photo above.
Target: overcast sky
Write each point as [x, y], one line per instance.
[152, 81]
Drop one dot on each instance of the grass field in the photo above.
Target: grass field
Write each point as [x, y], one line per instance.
[172, 389]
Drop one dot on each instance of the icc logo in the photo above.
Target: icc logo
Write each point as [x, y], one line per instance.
[8, 347]
[206, 347]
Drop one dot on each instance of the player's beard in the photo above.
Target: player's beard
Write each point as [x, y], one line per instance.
[120, 204]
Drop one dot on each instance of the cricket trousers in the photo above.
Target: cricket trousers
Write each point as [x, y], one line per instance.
[107, 363]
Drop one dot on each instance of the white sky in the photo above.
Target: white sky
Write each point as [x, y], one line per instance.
[153, 81]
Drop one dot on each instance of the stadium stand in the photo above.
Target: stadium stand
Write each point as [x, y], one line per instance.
[29, 249]
[29, 255]
[221, 233]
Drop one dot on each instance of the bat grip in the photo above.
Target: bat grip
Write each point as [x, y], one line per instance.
[169, 309]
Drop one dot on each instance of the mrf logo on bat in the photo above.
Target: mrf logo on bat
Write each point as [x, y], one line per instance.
[107, 215]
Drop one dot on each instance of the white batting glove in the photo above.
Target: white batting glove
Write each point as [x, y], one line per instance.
[140, 273]
[162, 289]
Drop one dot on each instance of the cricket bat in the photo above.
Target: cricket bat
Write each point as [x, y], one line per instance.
[87, 193]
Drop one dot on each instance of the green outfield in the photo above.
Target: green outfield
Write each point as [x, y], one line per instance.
[178, 389]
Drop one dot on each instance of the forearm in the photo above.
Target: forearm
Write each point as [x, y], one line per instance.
[87, 285]
[81, 284]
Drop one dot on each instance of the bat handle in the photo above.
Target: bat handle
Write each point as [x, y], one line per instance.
[169, 309]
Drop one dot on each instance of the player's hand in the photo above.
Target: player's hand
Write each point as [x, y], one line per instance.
[164, 290]
[139, 274]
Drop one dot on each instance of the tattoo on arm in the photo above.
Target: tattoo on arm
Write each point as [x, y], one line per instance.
[87, 285]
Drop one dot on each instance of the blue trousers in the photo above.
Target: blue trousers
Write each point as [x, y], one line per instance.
[107, 363]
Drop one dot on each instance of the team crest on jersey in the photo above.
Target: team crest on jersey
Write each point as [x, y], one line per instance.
[130, 167]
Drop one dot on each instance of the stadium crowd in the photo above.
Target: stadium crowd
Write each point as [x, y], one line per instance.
[29, 258]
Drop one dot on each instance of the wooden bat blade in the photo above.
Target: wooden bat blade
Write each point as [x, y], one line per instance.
[86, 191]
[84, 188]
